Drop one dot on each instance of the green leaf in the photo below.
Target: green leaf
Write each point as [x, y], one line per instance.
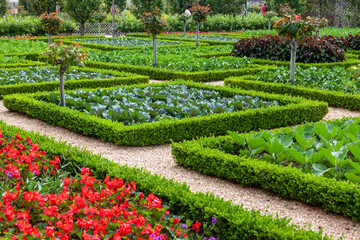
[319, 169]
[237, 137]
[352, 177]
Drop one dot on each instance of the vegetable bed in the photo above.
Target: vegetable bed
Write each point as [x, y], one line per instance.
[36, 79]
[337, 86]
[314, 163]
[290, 111]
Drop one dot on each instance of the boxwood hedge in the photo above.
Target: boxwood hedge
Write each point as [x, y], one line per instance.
[292, 111]
[333, 98]
[233, 221]
[218, 157]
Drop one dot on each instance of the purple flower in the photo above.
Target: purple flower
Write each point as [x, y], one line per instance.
[184, 226]
[68, 151]
[9, 174]
[36, 172]
[214, 220]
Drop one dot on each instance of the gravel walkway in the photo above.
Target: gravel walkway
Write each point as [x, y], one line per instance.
[158, 160]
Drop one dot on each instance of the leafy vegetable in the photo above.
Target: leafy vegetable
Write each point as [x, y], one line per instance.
[127, 42]
[46, 74]
[151, 104]
[329, 150]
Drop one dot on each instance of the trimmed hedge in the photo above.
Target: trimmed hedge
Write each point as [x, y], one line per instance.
[45, 39]
[22, 64]
[105, 47]
[162, 37]
[119, 79]
[292, 111]
[333, 98]
[219, 157]
[165, 74]
[233, 221]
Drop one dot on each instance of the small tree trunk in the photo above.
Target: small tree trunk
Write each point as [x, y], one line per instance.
[113, 18]
[292, 62]
[62, 93]
[82, 29]
[184, 28]
[317, 34]
[197, 34]
[154, 47]
[269, 23]
[50, 38]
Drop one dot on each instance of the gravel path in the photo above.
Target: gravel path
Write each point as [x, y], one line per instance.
[158, 160]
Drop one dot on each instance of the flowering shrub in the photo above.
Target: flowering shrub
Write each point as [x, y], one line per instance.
[199, 13]
[272, 47]
[21, 159]
[154, 21]
[51, 22]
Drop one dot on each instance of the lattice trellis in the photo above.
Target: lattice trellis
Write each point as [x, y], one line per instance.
[93, 28]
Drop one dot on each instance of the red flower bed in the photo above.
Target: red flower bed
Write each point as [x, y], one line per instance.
[85, 208]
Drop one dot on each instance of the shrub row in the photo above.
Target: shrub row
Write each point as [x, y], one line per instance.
[63, 37]
[104, 47]
[217, 22]
[29, 26]
[165, 74]
[162, 37]
[119, 79]
[333, 98]
[310, 50]
[22, 64]
[219, 157]
[291, 111]
[233, 221]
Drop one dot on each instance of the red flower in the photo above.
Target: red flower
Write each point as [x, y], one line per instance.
[196, 226]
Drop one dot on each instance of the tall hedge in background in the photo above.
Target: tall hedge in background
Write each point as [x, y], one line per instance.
[121, 4]
[141, 6]
[37, 7]
[299, 5]
[2, 7]
[231, 7]
[82, 10]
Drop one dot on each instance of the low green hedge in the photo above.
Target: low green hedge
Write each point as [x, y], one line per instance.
[22, 64]
[105, 47]
[233, 222]
[292, 111]
[333, 98]
[162, 37]
[63, 37]
[218, 157]
[165, 74]
[120, 78]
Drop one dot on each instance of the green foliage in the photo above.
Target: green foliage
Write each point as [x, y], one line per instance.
[291, 111]
[151, 104]
[37, 7]
[275, 5]
[82, 10]
[29, 26]
[45, 74]
[117, 78]
[20, 46]
[176, 59]
[12, 59]
[328, 150]
[3, 4]
[141, 6]
[334, 98]
[219, 157]
[127, 42]
[234, 222]
[336, 79]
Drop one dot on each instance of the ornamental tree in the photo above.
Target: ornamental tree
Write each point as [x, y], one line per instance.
[199, 14]
[51, 23]
[141, 6]
[65, 56]
[82, 11]
[184, 18]
[293, 27]
[156, 25]
[270, 15]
